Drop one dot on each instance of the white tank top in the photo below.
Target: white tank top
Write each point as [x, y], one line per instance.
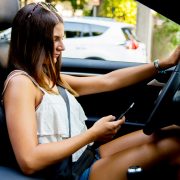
[52, 117]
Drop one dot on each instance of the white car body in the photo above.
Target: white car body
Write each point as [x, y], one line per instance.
[109, 45]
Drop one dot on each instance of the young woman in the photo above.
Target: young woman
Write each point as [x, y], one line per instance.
[36, 114]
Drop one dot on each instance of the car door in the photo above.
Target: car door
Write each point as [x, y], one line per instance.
[143, 94]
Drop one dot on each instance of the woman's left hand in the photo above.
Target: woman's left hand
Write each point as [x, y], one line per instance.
[172, 60]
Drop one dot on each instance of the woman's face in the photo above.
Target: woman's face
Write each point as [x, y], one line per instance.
[58, 35]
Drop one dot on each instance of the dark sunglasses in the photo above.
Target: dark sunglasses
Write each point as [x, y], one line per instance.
[47, 6]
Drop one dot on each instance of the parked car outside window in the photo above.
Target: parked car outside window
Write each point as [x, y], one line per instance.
[98, 38]
[102, 38]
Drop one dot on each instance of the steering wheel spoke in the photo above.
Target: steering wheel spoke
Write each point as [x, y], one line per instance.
[165, 97]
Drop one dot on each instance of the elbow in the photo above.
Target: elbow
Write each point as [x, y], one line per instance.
[28, 166]
[27, 171]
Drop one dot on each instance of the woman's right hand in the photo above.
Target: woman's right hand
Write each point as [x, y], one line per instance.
[106, 128]
[172, 60]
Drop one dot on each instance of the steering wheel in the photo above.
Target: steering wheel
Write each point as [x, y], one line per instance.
[173, 84]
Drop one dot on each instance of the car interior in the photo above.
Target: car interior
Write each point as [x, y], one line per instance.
[156, 101]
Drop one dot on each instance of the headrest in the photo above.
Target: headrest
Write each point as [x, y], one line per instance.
[8, 9]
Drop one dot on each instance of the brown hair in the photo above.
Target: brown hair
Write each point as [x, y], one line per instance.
[32, 46]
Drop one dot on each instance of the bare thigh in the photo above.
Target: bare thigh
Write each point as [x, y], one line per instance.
[146, 154]
[136, 139]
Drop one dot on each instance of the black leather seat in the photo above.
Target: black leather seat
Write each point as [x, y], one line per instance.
[8, 9]
[8, 173]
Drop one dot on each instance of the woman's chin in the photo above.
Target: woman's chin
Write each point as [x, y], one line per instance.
[55, 60]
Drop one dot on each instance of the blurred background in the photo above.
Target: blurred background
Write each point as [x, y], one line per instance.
[160, 34]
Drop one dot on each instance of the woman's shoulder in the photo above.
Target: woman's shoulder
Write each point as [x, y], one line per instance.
[20, 84]
[19, 81]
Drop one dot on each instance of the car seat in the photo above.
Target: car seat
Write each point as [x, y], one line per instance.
[8, 9]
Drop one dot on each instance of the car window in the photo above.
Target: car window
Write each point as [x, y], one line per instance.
[97, 30]
[88, 37]
[129, 33]
[6, 34]
[73, 30]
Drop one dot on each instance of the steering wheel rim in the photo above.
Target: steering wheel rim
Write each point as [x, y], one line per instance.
[164, 97]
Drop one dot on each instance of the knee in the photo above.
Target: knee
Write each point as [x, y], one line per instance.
[170, 145]
[172, 132]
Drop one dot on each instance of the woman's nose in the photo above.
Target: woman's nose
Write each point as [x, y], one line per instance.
[61, 46]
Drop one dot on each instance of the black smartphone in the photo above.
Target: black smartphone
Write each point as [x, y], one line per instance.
[125, 112]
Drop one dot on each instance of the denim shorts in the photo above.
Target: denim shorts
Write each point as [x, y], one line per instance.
[86, 173]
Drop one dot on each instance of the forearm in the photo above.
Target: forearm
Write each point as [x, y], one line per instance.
[132, 75]
[43, 155]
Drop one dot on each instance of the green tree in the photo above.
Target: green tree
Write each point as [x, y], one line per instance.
[121, 10]
[166, 36]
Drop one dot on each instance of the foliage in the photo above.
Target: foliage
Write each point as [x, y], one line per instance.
[166, 36]
[168, 29]
[121, 10]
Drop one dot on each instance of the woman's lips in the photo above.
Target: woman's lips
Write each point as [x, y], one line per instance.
[57, 55]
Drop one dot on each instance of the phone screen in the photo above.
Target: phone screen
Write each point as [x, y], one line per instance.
[125, 112]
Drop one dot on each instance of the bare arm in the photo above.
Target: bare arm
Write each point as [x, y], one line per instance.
[19, 99]
[119, 78]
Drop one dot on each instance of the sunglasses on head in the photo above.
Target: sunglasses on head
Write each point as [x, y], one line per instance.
[46, 6]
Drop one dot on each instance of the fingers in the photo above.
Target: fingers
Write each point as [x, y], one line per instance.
[106, 127]
[109, 118]
[117, 125]
[178, 52]
[121, 121]
[176, 55]
[112, 118]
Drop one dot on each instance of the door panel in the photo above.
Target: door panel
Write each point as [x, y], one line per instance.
[97, 105]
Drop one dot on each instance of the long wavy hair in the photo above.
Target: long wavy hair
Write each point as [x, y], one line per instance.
[32, 46]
